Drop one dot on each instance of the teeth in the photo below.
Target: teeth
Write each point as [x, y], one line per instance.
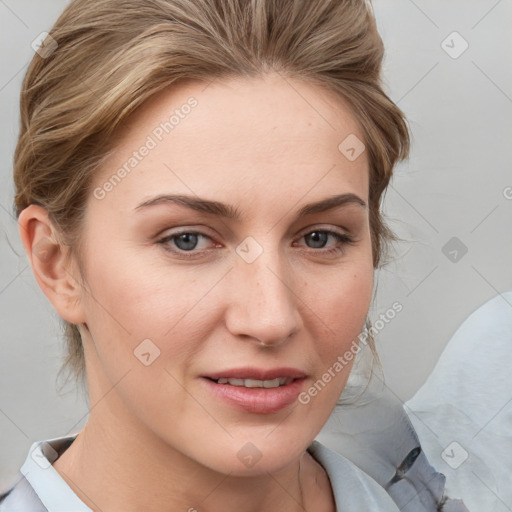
[251, 383]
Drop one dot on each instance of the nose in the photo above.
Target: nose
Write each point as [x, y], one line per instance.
[264, 303]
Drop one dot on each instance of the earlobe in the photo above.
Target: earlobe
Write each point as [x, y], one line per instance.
[52, 270]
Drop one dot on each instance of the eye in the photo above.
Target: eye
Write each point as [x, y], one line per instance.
[319, 237]
[183, 243]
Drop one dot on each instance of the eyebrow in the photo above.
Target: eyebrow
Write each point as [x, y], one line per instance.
[229, 212]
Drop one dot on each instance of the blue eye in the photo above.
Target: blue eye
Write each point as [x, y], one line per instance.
[321, 236]
[184, 244]
[185, 241]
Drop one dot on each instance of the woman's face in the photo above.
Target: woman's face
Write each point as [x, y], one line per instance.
[249, 281]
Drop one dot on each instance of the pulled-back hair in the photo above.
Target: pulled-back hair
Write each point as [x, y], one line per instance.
[113, 55]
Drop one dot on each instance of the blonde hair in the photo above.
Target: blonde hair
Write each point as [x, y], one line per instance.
[112, 55]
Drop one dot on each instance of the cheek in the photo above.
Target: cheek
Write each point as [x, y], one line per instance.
[343, 309]
[352, 301]
[344, 301]
[135, 296]
[133, 300]
[340, 313]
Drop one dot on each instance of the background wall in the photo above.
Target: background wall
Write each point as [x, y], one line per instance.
[448, 67]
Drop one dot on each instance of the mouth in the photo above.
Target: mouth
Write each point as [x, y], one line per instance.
[253, 383]
[256, 391]
[256, 375]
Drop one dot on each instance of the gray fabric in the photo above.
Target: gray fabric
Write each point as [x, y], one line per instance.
[354, 490]
[21, 498]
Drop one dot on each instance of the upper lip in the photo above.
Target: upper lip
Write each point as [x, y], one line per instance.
[257, 373]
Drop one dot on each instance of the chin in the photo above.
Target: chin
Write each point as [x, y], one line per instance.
[258, 455]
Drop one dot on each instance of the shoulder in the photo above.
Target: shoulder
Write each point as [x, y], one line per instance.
[353, 489]
[21, 498]
[38, 486]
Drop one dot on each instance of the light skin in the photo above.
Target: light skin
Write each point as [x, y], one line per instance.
[157, 439]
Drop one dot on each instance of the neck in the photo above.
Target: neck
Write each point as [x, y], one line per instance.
[117, 465]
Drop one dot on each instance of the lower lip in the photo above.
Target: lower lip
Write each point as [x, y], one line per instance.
[257, 400]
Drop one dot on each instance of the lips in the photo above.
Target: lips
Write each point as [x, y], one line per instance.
[256, 391]
[257, 374]
[253, 383]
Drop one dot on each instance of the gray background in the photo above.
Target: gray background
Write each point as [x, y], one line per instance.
[454, 185]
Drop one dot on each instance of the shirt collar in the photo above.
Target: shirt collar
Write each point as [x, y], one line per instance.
[53, 491]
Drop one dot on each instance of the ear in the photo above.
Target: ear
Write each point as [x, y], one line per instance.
[57, 277]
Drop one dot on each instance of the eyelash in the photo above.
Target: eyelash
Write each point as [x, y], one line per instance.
[343, 238]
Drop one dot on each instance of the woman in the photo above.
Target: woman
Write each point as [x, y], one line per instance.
[198, 186]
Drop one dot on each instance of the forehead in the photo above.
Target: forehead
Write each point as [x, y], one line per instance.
[261, 136]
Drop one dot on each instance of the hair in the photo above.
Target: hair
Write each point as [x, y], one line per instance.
[110, 56]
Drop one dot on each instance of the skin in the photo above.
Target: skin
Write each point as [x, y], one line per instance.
[156, 438]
